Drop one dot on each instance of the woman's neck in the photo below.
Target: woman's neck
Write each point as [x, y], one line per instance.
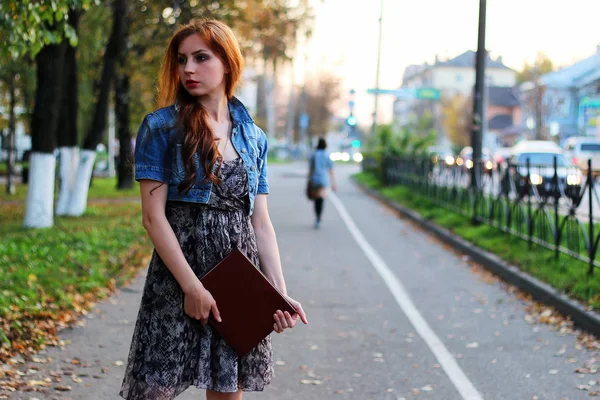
[216, 106]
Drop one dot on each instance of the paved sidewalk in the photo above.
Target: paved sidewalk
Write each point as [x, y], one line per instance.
[359, 344]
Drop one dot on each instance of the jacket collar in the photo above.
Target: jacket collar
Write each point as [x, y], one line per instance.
[238, 111]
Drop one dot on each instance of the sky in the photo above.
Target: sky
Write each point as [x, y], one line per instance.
[345, 36]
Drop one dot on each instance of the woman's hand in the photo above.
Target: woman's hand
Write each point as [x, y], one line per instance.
[198, 303]
[284, 320]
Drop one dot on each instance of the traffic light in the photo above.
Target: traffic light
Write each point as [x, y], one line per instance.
[356, 143]
[351, 120]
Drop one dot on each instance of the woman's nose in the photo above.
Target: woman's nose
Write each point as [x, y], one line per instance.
[189, 67]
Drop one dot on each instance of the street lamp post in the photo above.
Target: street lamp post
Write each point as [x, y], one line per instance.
[377, 70]
[478, 101]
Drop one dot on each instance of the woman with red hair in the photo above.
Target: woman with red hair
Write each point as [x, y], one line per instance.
[202, 167]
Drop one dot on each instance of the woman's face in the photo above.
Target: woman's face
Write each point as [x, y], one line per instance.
[200, 70]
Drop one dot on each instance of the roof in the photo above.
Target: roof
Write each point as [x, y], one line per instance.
[500, 121]
[576, 75]
[467, 60]
[503, 96]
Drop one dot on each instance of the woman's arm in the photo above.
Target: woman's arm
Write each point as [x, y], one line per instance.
[154, 199]
[332, 179]
[266, 240]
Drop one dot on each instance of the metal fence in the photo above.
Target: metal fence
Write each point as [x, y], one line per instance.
[552, 206]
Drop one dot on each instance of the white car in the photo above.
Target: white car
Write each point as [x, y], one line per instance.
[581, 149]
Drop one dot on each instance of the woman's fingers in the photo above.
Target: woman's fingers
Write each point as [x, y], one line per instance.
[299, 310]
[291, 321]
[301, 313]
[280, 321]
[216, 313]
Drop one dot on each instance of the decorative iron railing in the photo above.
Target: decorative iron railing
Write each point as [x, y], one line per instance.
[552, 206]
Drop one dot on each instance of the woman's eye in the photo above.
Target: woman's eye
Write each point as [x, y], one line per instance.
[201, 57]
[181, 60]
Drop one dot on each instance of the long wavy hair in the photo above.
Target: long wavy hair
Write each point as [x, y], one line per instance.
[193, 117]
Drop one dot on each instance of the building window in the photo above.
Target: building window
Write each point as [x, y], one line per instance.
[459, 78]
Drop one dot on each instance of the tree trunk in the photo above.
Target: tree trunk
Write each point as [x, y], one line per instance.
[122, 99]
[10, 160]
[68, 141]
[125, 158]
[96, 131]
[48, 98]
[44, 124]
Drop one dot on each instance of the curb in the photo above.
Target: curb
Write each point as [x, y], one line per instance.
[540, 291]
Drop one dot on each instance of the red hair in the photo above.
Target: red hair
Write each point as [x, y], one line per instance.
[193, 118]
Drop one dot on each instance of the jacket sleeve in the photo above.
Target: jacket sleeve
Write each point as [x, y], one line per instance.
[151, 152]
[263, 147]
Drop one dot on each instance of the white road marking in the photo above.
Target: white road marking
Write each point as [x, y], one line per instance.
[455, 373]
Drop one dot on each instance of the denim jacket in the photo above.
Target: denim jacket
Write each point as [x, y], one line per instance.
[158, 154]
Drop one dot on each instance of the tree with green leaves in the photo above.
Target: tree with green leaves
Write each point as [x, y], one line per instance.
[541, 66]
[456, 112]
[41, 30]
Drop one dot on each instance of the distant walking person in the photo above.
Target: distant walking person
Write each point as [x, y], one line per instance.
[320, 176]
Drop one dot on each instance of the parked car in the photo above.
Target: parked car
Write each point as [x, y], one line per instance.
[500, 156]
[541, 174]
[581, 149]
[442, 156]
[465, 159]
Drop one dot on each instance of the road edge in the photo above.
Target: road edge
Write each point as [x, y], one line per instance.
[581, 316]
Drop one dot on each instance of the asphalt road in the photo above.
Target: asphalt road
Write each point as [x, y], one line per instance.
[393, 314]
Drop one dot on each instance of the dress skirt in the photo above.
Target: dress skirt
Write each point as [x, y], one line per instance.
[171, 351]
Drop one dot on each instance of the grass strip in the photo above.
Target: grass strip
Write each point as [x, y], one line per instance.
[50, 276]
[566, 274]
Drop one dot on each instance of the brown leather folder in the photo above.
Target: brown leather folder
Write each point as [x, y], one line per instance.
[246, 301]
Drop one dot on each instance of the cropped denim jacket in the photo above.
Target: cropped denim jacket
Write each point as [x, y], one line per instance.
[158, 154]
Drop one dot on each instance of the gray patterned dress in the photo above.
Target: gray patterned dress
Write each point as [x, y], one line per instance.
[171, 351]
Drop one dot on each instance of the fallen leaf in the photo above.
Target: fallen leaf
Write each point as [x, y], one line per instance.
[311, 382]
[34, 383]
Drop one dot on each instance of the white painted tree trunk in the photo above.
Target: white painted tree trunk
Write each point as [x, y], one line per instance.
[69, 160]
[79, 196]
[39, 210]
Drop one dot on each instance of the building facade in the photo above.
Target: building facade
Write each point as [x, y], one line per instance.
[453, 77]
[570, 101]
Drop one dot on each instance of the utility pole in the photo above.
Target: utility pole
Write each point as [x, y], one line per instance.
[478, 100]
[377, 70]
